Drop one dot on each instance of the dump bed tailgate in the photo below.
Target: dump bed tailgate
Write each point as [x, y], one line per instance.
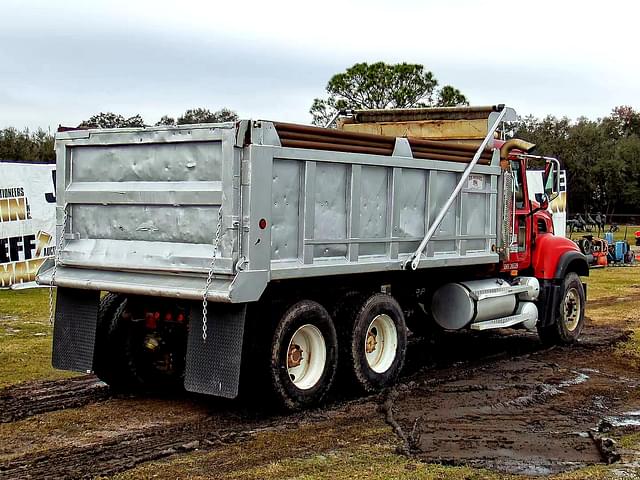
[146, 202]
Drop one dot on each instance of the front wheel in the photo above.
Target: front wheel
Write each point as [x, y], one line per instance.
[569, 316]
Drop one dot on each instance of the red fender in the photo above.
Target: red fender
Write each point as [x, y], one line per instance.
[548, 252]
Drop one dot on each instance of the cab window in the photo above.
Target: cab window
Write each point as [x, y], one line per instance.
[518, 185]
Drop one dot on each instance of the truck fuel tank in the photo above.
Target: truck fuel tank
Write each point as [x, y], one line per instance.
[456, 305]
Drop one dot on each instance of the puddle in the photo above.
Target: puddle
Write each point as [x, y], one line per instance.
[577, 380]
[627, 419]
[542, 393]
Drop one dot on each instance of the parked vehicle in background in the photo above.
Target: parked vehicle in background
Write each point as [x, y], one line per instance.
[277, 253]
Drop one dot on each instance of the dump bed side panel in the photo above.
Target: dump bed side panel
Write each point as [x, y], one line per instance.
[338, 213]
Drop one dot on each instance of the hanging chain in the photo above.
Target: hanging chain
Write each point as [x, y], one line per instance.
[56, 259]
[216, 244]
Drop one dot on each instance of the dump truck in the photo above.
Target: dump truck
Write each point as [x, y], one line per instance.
[269, 256]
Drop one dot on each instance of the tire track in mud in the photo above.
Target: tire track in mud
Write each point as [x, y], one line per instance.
[232, 425]
[32, 398]
[126, 451]
[512, 414]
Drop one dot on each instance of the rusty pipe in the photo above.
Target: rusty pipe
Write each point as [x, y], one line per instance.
[515, 143]
[446, 144]
[449, 158]
[336, 147]
[286, 136]
[375, 151]
[444, 151]
[307, 132]
[329, 132]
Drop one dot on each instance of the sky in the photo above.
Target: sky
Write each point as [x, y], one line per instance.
[61, 62]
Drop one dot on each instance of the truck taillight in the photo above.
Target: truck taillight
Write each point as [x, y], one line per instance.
[150, 320]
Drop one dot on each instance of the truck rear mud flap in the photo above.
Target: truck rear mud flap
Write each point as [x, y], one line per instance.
[74, 330]
[213, 365]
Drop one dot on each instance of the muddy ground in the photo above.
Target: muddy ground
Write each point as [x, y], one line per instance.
[498, 401]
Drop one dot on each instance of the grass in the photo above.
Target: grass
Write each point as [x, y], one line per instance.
[613, 282]
[25, 337]
[615, 293]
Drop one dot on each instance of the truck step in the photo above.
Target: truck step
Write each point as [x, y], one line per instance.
[500, 322]
[498, 291]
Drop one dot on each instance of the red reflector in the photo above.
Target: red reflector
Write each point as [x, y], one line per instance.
[262, 224]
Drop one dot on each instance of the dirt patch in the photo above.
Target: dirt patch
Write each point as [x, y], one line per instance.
[532, 414]
[612, 300]
[497, 400]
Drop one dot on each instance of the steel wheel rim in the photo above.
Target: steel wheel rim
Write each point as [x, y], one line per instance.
[381, 343]
[571, 309]
[306, 357]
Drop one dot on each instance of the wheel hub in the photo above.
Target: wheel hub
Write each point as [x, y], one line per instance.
[306, 356]
[372, 341]
[294, 357]
[572, 309]
[381, 343]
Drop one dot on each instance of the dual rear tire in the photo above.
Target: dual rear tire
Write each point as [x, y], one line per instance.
[307, 350]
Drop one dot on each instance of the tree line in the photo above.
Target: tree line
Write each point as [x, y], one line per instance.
[601, 157]
[26, 146]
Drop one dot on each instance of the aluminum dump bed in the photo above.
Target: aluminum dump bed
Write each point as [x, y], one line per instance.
[139, 207]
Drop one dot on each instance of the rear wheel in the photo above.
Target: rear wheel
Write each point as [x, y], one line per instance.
[374, 343]
[303, 355]
[139, 349]
[104, 352]
[569, 320]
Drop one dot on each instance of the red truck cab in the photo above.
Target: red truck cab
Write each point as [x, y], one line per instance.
[555, 261]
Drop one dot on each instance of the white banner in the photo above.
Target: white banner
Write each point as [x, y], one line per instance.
[27, 221]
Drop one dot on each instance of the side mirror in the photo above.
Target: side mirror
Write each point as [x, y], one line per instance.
[543, 200]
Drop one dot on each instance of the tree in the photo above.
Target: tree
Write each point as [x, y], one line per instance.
[204, 115]
[380, 85]
[23, 145]
[622, 122]
[449, 96]
[112, 120]
[166, 120]
[601, 157]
